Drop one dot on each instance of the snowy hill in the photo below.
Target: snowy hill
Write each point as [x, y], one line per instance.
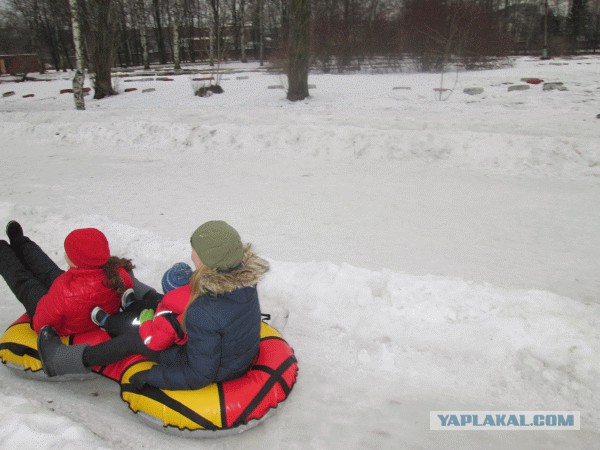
[432, 255]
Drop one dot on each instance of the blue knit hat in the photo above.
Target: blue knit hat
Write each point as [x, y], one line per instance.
[177, 276]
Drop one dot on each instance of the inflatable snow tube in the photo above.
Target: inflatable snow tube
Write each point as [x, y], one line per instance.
[218, 409]
[18, 351]
[18, 347]
[233, 406]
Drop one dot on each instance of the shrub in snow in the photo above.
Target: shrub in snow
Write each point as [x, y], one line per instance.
[473, 91]
[207, 91]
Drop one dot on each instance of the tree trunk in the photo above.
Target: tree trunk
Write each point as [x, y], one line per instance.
[176, 57]
[299, 50]
[159, 33]
[211, 47]
[347, 27]
[125, 44]
[243, 31]
[104, 49]
[79, 78]
[144, 43]
[235, 21]
[215, 47]
[141, 12]
[261, 37]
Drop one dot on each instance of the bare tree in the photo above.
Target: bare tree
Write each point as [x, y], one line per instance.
[299, 50]
[217, 30]
[48, 21]
[176, 13]
[79, 77]
[100, 24]
[125, 52]
[438, 33]
[160, 40]
[261, 32]
[243, 56]
[29, 11]
[140, 11]
[595, 24]
[343, 34]
[577, 22]
[235, 24]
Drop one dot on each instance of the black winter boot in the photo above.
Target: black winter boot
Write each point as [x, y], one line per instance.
[57, 358]
[32, 256]
[14, 231]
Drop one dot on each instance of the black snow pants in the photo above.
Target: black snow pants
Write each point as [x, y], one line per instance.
[117, 348]
[28, 271]
[126, 339]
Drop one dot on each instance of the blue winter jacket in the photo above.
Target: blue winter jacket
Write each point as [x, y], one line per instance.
[223, 333]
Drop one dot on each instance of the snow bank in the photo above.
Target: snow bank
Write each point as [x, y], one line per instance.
[445, 336]
[340, 122]
[29, 424]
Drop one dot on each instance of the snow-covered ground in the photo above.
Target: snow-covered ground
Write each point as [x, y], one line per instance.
[433, 255]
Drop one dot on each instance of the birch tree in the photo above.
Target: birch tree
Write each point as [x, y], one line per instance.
[176, 15]
[79, 78]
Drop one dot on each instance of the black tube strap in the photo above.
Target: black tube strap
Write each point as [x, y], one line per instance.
[264, 390]
[19, 349]
[160, 397]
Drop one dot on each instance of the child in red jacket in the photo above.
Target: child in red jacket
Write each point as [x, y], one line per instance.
[64, 300]
[164, 327]
[159, 326]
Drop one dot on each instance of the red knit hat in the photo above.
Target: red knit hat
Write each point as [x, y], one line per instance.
[87, 248]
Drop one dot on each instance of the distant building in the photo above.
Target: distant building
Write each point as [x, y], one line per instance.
[19, 64]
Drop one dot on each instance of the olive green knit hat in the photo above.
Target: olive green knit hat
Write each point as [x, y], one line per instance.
[218, 245]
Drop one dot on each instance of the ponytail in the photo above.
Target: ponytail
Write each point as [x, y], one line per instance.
[113, 278]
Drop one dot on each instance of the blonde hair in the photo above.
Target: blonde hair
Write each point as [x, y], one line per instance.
[196, 290]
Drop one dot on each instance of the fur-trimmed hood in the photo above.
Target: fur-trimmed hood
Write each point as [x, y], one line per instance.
[248, 274]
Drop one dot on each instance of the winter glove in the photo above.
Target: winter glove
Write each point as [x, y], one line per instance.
[138, 380]
[145, 315]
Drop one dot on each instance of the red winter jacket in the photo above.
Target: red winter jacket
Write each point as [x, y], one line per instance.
[71, 298]
[159, 334]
